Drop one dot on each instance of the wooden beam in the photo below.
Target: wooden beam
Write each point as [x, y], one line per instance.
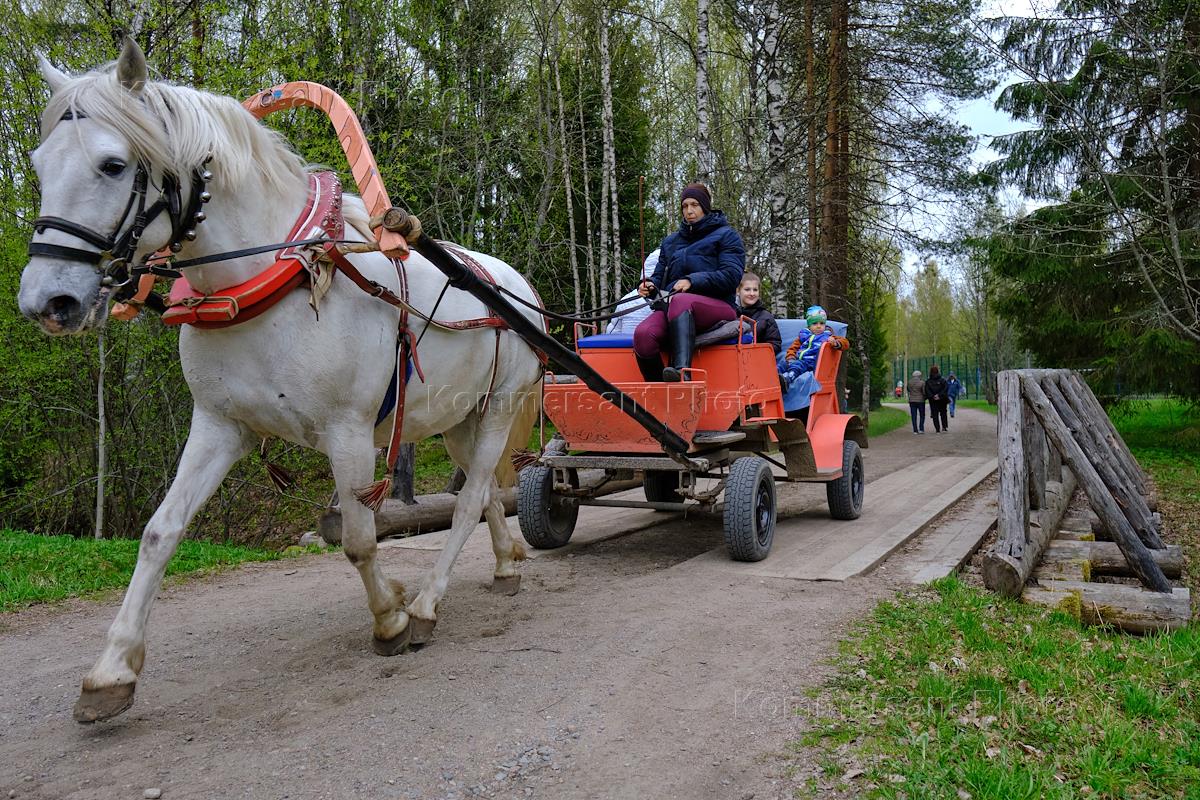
[1034, 443]
[1130, 608]
[1132, 504]
[1012, 530]
[1107, 559]
[1109, 431]
[1006, 574]
[1098, 494]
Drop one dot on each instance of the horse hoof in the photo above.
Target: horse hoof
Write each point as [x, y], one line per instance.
[421, 629]
[94, 705]
[393, 646]
[507, 585]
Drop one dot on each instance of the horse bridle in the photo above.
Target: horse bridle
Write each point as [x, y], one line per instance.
[115, 251]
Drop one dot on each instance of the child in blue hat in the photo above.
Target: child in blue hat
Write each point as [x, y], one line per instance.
[802, 354]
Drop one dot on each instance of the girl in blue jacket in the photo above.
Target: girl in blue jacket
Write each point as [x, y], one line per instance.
[702, 264]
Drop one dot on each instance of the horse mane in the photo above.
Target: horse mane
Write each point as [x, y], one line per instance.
[177, 127]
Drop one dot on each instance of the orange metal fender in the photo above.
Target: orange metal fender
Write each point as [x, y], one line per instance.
[827, 434]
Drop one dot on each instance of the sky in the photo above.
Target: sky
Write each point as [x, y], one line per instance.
[985, 121]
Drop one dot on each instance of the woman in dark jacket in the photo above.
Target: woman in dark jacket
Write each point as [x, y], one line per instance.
[937, 393]
[702, 263]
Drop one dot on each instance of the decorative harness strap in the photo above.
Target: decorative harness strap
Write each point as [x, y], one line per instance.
[322, 217]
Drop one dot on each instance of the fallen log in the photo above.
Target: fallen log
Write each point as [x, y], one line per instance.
[1129, 608]
[1106, 558]
[434, 512]
[1006, 572]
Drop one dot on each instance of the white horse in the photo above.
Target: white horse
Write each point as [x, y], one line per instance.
[315, 381]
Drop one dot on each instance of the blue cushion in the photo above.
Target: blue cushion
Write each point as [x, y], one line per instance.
[616, 341]
[606, 341]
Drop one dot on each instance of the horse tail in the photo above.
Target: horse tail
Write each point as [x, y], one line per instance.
[528, 403]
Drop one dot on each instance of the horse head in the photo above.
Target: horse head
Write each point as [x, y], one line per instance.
[124, 166]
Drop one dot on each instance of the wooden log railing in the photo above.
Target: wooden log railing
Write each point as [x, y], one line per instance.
[1036, 480]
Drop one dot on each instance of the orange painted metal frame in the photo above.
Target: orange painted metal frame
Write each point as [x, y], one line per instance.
[731, 385]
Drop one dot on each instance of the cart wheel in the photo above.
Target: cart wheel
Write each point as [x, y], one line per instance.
[547, 520]
[846, 493]
[749, 509]
[660, 486]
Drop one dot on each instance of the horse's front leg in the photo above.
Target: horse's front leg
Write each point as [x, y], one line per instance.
[489, 445]
[214, 445]
[352, 455]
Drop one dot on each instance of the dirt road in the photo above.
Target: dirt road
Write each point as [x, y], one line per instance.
[629, 668]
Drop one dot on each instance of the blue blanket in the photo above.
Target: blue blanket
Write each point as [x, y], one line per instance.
[799, 393]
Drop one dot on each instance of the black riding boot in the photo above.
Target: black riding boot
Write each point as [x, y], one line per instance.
[682, 331]
[651, 368]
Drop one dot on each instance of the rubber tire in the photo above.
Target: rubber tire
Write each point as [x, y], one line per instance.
[660, 485]
[750, 512]
[546, 521]
[845, 495]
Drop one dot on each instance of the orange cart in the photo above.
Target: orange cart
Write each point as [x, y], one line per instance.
[730, 412]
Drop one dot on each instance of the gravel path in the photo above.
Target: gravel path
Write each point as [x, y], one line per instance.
[626, 669]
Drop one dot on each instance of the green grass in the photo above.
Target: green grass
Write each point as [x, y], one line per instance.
[982, 405]
[884, 420]
[951, 691]
[43, 569]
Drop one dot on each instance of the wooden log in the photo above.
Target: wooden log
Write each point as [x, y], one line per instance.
[1098, 494]
[1130, 608]
[434, 512]
[1006, 574]
[1109, 431]
[1062, 566]
[1012, 529]
[1102, 457]
[1107, 559]
[1033, 441]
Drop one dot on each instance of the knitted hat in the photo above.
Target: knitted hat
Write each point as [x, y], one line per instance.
[699, 193]
[815, 314]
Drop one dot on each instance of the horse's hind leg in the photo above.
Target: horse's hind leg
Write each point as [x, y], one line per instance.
[486, 449]
[214, 445]
[506, 580]
[352, 456]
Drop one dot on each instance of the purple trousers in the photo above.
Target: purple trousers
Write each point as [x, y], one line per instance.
[650, 337]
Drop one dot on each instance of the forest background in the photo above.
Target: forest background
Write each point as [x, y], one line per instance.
[557, 135]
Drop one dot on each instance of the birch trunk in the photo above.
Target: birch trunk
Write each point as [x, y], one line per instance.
[567, 186]
[813, 287]
[704, 153]
[610, 155]
[587, 199]
[781, 257]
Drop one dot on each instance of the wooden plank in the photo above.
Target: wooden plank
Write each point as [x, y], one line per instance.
[1107, 559]
[1098, 454]
[899, 506]
[1012, 529]
[1130, 608]
[1098, 495]
[1033, 440]
[1055, 566]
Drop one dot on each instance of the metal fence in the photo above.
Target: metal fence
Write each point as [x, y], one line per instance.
[969, 371]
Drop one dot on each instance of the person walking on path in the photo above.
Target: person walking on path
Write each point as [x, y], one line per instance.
[916, 401]
[937, 393]
[953, 390]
